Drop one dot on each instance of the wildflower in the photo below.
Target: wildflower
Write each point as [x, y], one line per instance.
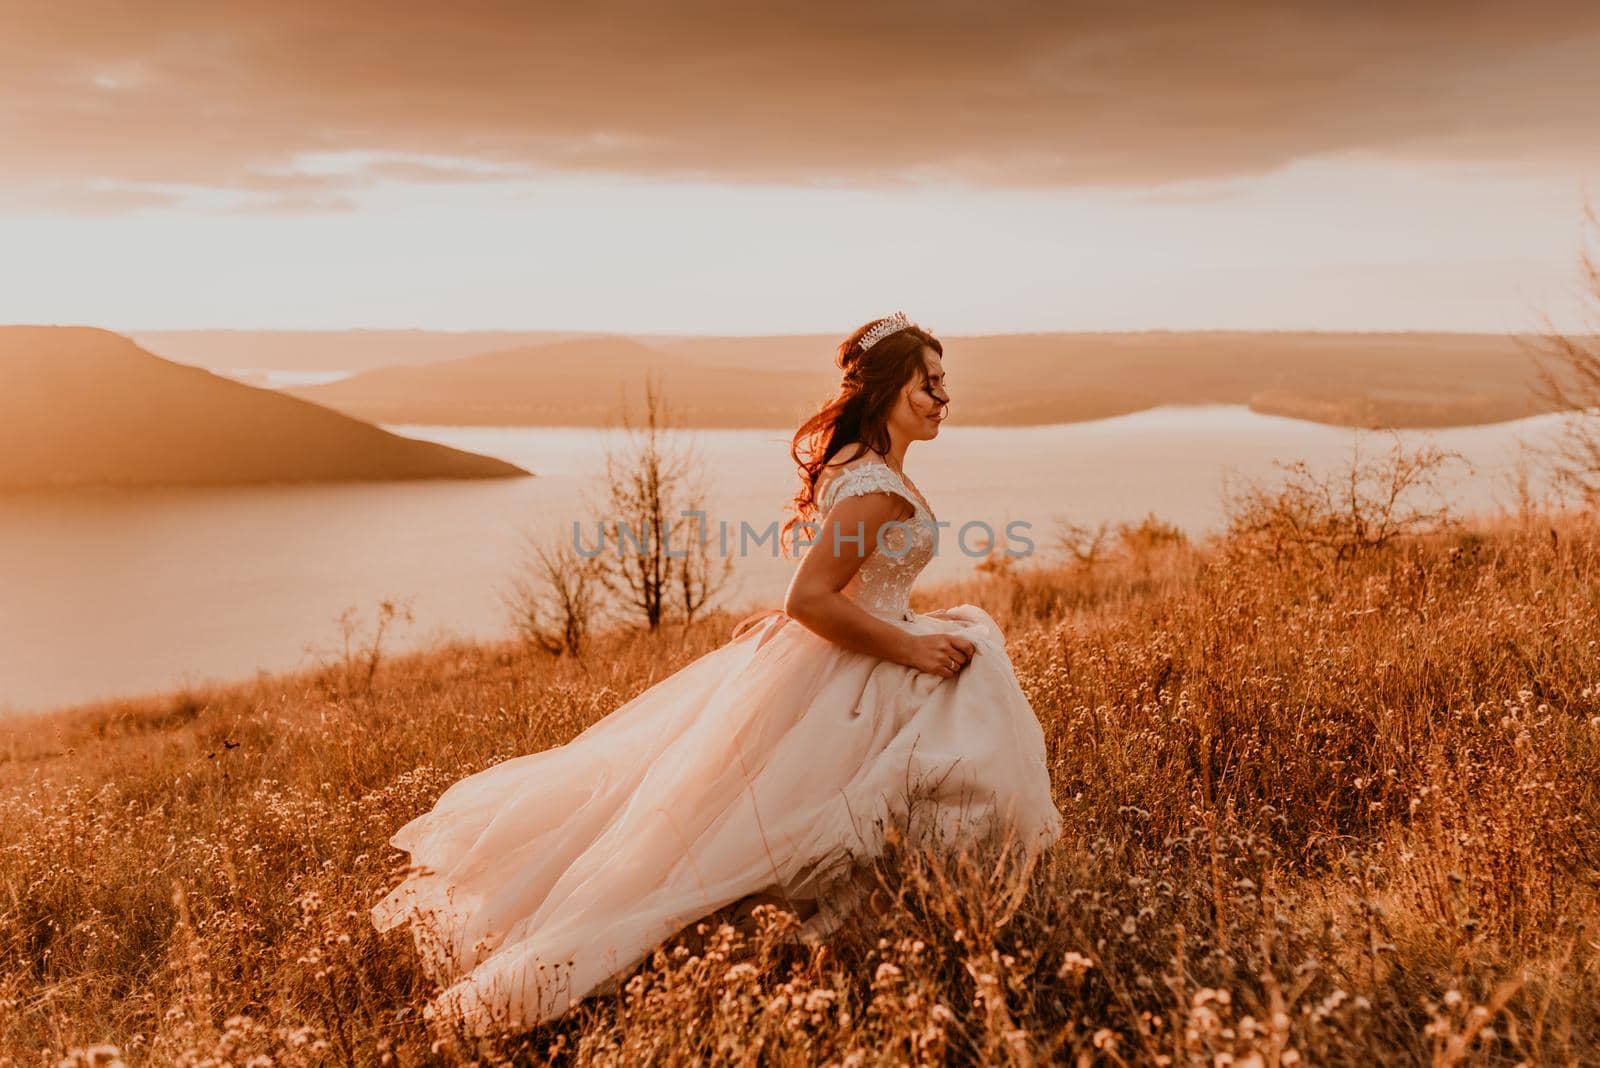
[101, 1055]
[1074, 963]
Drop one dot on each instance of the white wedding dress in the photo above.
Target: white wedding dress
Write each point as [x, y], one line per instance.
[770, 764]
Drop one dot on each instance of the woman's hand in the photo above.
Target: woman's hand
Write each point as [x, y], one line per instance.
[939, 654]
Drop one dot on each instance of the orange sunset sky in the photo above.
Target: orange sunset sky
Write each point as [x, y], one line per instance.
[747, 168]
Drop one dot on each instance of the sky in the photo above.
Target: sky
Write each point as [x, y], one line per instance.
[771, 168]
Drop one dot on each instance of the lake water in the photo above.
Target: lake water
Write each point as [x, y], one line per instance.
[277, 378]
[117, 592]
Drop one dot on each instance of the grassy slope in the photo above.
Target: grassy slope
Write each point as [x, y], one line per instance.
[1336, 812]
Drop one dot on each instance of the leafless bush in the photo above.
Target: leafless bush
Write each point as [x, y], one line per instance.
[998, 559]
[1150, 534]
[659, 562]
[1087, 545]
[358, 653]
[556, 596]
[1568, 380]
[1083, 544]
[1364, 505]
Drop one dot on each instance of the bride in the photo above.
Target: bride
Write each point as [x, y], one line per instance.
[768, 768]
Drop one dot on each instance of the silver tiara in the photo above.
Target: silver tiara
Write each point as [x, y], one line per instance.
[892, 325]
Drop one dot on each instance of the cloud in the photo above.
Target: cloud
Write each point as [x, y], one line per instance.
[294, 204]
[103, 99]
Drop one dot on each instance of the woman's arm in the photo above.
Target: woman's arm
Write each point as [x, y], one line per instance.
[847, 536]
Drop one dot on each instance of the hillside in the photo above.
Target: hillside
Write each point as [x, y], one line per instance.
[1400, 379]
[83, 406]
[1350, 813]
[333, 350]
[579, 382]
[1361, 379]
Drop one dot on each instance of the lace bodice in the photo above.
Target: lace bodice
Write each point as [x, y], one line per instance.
[882, 584]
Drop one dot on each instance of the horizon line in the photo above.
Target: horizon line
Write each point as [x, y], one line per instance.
[686, 334]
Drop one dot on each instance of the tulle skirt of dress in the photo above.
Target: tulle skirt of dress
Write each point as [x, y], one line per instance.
[772, 763]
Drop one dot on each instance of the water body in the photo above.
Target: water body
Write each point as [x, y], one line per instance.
[277, 378]
[120, 592]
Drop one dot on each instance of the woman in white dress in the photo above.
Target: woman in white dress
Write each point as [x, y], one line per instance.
[770, 767]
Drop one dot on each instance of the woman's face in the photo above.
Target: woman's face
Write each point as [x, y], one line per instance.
[921, 407]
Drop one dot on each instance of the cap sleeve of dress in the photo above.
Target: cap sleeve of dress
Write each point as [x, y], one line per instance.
[864, 478]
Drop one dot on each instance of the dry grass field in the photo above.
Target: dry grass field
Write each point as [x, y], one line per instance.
[1318, 812]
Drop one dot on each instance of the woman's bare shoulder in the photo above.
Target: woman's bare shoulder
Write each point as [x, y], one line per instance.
[847, 459]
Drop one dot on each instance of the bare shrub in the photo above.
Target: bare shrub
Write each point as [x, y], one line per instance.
[1084, 545]
[1568, 380]
[359, 652]
[1150, 533]
[556, 596]
[998, 558]
[659, 563]
[1363, 505]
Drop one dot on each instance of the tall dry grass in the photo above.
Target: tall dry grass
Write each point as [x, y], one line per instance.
[1316, 813]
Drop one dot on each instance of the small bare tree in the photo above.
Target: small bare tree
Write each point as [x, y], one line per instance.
[1568, 380]
[556, 596]
[1082, 544]
[1086, 546]
[700, 574]
[996, 560]
[1148, 535]
[1365, 505]
[659, 563]
[359, 654]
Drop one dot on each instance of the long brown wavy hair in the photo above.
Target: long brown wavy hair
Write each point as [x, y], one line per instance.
[858, 412]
